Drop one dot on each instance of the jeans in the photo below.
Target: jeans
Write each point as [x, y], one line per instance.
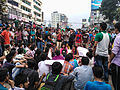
[115, 76]
[1, 51]
[103, 62]
[40, 45]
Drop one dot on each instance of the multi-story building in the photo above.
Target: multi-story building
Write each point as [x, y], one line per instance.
[25, 10]
[59, 20]
[96, 17]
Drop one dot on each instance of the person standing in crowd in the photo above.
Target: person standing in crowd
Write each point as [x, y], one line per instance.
[6, 34]
[71, 38]
[25, 36]
[59, 39]
[32, 33]
[115, 59]
[78, 38]
[19, 36]
[102, 41]
[39, 39]
[98, 84]
[85, 38]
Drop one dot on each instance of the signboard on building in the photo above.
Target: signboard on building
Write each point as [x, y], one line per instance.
[95, 4]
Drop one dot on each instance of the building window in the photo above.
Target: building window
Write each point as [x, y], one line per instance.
[37, 8]
[37, 14]
[38, 20]
[37, 2]
[26, 2]
[13, 2]
[25, 9]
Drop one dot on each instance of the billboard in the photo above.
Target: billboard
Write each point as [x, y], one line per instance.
[95, 4]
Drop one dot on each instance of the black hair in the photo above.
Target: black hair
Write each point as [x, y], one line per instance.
[31, 63]
[98, 71]
[71, 55]
[67, 57]
[89, 54]
[13, 49]
[56, 68]
[103, 26]
[117, 26]
[7, 26]
[20, 79]
[57, 52]
[85, 61]
[37, 52]
[7, 46]
[9, 57]
[32, 47]
[43, 56]
[3, 74]
[20, 51]
[28, 44]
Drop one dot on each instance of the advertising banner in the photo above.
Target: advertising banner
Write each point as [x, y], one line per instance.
[95, 4]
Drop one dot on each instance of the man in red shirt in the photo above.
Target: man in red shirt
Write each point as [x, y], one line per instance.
[6, 34]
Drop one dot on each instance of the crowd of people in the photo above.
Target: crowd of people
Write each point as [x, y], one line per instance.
[59, 59]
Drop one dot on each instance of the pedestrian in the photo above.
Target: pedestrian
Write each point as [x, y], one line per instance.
[102, 41]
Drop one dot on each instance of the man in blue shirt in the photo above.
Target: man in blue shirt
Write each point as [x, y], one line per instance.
[98, 84]
[83, 74]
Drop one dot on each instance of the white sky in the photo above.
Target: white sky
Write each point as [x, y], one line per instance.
[75, 10]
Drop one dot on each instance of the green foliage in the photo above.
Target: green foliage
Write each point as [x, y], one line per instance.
[110, 9]
[2, 6]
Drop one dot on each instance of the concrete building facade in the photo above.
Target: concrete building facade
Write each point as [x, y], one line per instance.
[59, 20]
[25, 10]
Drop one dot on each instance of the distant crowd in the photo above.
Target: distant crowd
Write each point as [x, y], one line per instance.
[59, 59]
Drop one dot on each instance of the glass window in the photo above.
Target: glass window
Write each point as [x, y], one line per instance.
[26, 2]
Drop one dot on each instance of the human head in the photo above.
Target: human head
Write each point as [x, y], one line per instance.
[117, 28]
[7, 47]
[20, 51]
[57, 52]
[11, 55]
[89, 54]
[67, 57]
[38, 52]
[103, 26]
[56, 68]
[43, 56]
[3, 74]
[85, 61]
[71, 55]
[98, 72]
[21, 81]
[7, 27]
[31, 63]
[32, 47]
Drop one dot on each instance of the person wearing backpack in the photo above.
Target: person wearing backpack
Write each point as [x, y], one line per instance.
[55, 80]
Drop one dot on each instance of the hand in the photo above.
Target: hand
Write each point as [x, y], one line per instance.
[11, 82]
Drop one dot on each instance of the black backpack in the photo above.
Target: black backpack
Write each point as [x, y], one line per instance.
[50, 85]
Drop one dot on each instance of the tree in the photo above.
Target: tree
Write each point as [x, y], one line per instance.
[109, 9]
[2, 6]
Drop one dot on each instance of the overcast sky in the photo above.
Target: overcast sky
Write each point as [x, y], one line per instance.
[75, 10]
